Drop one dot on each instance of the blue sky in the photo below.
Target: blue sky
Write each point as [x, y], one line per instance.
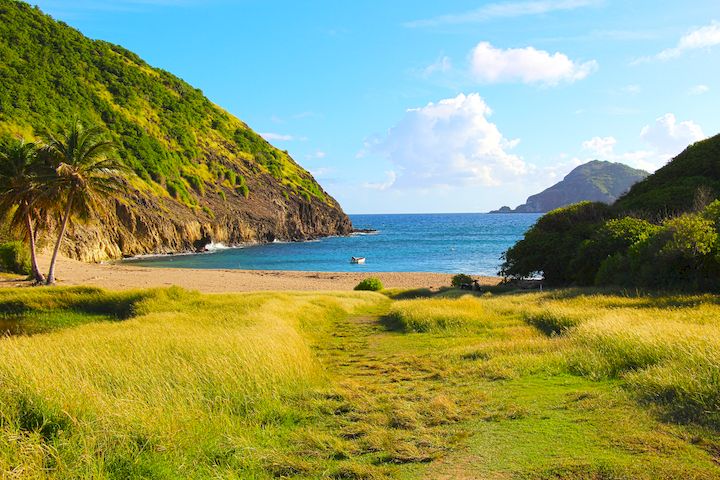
[425, 106]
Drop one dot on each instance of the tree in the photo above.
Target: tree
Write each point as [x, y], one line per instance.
[551, 244]
[86, 175]
[21, 172]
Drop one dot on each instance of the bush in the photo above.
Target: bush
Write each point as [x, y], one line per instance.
[372, 284]
[614, 237]
[15, 258]
[552, 243]
[680, 255]
[461, 279]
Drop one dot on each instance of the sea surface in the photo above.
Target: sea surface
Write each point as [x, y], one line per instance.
[448, 243]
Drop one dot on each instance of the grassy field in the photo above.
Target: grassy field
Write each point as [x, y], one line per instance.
[175, 384]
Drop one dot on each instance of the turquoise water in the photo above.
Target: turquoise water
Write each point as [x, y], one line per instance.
[448, 243]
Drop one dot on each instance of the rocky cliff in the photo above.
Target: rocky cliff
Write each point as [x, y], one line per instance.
[595, 181]
[199, 173]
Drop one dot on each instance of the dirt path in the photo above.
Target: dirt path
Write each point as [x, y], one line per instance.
[396, 404]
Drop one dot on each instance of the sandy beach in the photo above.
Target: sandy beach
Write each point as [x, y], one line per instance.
[118, 276]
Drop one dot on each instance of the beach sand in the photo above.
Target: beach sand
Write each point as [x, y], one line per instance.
[120, 276]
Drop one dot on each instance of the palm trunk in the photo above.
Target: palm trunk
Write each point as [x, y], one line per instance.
[36, 273]
[51, 272]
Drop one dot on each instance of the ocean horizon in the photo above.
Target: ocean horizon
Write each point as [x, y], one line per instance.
[469, 243]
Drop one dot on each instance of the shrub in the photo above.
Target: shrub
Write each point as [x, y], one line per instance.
[615, 236]
[372, 284]
[15, 258]
[461, 279]
[680, 255]
[550, 245]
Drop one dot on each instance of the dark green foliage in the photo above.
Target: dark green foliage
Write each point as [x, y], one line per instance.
[681, 255]
[461, 279]
[550, 245]
[15, 258]
[615, 236]
[372, 284]
[676, 245]
[673, 189]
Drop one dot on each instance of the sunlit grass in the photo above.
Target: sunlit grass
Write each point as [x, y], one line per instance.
[176, 384]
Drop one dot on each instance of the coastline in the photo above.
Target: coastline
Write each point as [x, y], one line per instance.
[119, 276]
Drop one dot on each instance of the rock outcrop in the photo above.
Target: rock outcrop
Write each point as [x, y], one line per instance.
[199, 174]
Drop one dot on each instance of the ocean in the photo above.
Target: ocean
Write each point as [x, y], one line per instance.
[447, 243]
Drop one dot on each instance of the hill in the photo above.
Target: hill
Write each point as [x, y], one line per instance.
[595, 181]
[674, 188]
[201, 174]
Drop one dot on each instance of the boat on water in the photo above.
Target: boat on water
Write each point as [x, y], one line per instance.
[357, 259]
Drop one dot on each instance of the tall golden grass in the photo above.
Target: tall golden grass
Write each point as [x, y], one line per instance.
[666, 349]
[187, 372]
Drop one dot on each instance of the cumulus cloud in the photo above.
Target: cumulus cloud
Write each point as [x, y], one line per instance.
[600, 146]
[665, 138]
[449, 143]
[504, 10]
[668, 136]
[526, 65]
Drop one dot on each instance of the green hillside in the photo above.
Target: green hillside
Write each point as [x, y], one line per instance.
[664, 233]
[195, 159]
[674, 187]
[594, 181]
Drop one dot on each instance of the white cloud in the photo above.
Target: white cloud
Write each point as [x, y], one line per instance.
[668, 136]
[504, 10]
[707, 36]
[698, 90]
[665, 138]
[442, 65]
[390, 178]
[602, 147]
[527, 65]
[450, 143]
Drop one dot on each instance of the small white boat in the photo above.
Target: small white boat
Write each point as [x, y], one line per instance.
[357, 260]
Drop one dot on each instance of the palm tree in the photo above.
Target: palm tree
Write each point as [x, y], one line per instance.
[86, 176]
[21, 192]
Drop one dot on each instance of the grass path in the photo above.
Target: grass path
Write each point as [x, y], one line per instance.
[417, 407]
[173, 384]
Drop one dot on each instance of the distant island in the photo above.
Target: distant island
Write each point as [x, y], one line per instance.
[596, 181]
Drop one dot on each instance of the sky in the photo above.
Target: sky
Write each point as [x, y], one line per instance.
[414, 106]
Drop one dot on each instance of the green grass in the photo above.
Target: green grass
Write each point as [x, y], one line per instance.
[174, 384]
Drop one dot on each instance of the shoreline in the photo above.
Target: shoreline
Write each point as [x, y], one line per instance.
[119, 276]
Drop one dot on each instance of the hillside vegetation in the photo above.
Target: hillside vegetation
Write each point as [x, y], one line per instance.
[674, 188]
[204, 170]
[174, 384]
[595, 181]
[664, 233]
